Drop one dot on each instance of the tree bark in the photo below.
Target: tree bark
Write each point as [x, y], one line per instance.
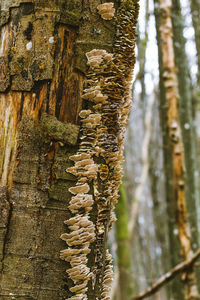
[44, 67]
[174, 141]
[142, 46]
[185, 112]
[125, 286]
[174, 247]
[195, 10]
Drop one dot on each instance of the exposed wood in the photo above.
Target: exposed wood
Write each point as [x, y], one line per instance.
[174, 132]
[186, 123]
[34, 184]
[44, 60]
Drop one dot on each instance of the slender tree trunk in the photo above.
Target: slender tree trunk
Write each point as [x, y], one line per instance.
[185, 112]
[176, 172]
[195, 9]
[142, 46]
[174, 247]
[125, 287]
[158, 195]
[46, 49]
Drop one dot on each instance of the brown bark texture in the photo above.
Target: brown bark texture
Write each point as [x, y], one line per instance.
[174, 132]
[43, 73]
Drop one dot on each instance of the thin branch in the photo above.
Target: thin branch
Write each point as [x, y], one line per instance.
[168, 276]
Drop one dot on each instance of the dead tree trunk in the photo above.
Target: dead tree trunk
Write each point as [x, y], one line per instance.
[44, 47]
[175, 174]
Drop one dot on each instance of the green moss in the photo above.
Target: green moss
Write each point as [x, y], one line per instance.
[122, 216]
[128, 5]
[123, 247]
[53, 129]
[71, 18]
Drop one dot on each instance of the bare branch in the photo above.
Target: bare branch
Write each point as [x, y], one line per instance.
[169, 276]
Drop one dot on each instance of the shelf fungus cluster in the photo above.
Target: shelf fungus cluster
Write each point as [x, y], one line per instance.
[97, 164]
[106, 10]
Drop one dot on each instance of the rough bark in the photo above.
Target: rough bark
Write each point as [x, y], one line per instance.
[34, 196]
[43, 60]
[174, 141]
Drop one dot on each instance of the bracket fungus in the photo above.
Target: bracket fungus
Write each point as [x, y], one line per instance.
[97, 163]
[106, 10]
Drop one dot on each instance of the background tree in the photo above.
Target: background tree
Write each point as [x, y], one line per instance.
[44, 68]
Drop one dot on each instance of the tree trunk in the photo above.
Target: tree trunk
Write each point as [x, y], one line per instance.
[175, 173]
[44, 48]
[157, 189]
[195, 9]
[142, 47]
[125, 287]
[185, 112]
[174, 247]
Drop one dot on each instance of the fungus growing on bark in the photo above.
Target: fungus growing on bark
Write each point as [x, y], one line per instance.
[101, 135]
[81, 201]
[80, 156]
[106, 10]
[103, 172]
[96, 56]
[79, 189]
[107, 277]
[84, 113]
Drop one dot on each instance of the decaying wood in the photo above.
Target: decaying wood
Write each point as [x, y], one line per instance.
[37, 68]
[44, 67]
[174, 131]
[184, 266]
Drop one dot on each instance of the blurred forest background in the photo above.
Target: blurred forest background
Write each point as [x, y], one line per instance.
[147, 240]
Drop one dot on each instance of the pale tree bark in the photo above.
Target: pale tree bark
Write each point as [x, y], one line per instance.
[175, 173]
[195, 10]
[185, 112]
[43, 47]
[142, 46]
